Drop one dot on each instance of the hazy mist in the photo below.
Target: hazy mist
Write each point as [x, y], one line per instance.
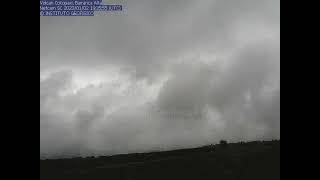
[165, 74]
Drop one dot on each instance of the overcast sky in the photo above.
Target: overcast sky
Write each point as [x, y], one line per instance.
[165, 74]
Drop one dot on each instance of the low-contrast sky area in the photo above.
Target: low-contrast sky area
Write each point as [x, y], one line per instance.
[165, 74]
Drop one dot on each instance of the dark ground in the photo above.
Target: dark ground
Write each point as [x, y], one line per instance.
[237, 161]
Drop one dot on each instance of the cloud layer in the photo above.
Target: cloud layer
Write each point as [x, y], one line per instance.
[164, 75]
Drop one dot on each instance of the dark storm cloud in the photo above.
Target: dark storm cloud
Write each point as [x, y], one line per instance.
[166, 74]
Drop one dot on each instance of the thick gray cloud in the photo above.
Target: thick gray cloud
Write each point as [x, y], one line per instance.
[166, 74]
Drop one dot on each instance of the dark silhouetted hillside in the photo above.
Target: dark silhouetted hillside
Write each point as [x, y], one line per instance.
[225, 161]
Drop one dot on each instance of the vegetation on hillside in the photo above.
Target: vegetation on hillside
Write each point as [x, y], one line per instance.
[223, 161]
